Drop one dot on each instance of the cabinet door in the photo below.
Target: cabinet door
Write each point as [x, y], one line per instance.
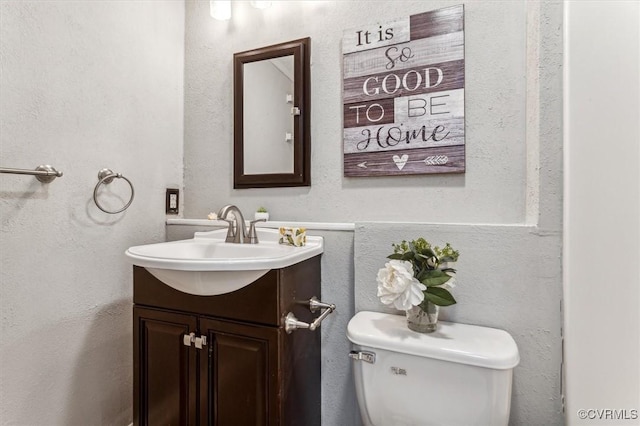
[239, 378]
[164, 368]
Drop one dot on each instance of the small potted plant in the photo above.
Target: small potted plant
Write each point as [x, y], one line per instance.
[418, 279]
[261, 213]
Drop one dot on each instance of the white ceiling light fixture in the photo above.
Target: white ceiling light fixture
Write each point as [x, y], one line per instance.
[220, 9]
[261, 4]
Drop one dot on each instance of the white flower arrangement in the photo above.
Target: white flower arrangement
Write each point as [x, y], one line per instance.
[398, 286]
[418, 273]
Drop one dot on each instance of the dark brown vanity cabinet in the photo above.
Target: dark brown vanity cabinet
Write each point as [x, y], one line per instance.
[239, 367]
[165, 381]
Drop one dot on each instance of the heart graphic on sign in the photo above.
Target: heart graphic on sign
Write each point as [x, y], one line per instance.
[400, 161]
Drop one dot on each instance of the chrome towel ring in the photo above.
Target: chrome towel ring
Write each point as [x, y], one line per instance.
[106, 176]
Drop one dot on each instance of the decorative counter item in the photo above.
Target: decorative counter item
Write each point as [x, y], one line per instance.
[418, 279]
[293, 236]
[261, 213]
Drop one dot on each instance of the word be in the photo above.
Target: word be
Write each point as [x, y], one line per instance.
[417, 106]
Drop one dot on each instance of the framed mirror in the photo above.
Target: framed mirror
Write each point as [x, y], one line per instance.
[272, 145]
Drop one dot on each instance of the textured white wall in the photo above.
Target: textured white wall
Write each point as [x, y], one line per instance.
[495, 42]
[83, 85]
[602, 212]
[509, 277]
[514, 174]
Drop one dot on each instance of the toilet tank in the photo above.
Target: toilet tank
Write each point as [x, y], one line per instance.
[458, 375]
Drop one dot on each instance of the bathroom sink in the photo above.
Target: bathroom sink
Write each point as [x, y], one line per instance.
[206, 265]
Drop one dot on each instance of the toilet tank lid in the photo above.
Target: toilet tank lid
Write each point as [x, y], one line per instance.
[461, 343]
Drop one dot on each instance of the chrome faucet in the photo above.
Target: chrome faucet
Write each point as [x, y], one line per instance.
[237, 233]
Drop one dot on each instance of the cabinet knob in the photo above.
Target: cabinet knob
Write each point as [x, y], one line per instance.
[200, 341]
[188, 338]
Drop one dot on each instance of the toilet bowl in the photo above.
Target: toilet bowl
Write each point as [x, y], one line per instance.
[459, 375]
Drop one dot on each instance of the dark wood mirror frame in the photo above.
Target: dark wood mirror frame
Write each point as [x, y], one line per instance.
[301, 176]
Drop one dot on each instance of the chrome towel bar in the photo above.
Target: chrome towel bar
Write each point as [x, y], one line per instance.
[291, 323]
[44, 172]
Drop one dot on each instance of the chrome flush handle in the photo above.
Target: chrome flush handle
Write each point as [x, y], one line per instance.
[369, 357]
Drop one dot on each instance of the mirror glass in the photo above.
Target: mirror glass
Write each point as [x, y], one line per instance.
[268, 123]
[271, 116]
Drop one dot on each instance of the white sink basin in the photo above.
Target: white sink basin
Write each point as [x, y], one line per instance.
[206, 266]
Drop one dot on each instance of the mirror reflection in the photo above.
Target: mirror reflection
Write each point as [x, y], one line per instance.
[268, 122]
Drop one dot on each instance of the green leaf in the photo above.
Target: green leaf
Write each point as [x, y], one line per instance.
[427, 253]
[407, 256]
[434, 277]
[401, 256]
[439, 296]
[422, 258]
[447, 259]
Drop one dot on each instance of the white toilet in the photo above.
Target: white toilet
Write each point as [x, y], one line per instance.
[459, 375]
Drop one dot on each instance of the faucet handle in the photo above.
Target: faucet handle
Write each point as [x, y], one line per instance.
[253, 235]
[231, 231]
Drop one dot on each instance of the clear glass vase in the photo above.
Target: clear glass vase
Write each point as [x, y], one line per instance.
[423, 321]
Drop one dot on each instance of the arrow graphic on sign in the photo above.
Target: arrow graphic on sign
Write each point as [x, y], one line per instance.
[400, 162]
[435, 160]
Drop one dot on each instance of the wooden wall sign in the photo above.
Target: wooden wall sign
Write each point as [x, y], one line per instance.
[403, 83]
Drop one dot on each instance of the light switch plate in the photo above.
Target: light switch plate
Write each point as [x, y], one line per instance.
[172, 201]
